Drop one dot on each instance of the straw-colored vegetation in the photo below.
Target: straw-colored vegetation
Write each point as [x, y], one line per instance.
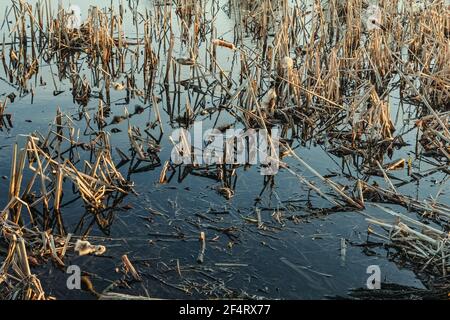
[317, 72]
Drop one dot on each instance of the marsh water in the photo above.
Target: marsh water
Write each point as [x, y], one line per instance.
[298, 254]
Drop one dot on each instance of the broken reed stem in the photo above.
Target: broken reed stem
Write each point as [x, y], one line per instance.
[201, 255]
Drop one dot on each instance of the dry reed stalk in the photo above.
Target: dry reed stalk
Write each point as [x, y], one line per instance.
[128, 266]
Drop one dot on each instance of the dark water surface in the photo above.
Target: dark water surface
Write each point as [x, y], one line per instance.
[299, 258]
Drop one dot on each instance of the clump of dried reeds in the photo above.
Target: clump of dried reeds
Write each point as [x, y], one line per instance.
[435, 139]
[5, 118]
[48, 163]
[16, 280]
[423, 243]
